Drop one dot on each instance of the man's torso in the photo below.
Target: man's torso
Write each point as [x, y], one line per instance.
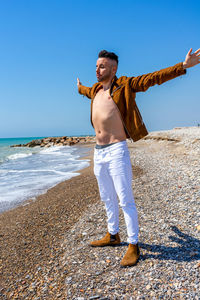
[106, 119]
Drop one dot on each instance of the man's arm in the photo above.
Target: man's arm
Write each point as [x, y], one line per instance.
[83, 90]
[143, 82]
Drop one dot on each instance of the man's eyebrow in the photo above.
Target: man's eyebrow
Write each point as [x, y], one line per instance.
[100, 64]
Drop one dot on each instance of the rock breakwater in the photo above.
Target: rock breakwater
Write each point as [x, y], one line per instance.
[58, 141]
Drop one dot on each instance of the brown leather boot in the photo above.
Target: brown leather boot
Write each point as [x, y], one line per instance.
[131, 257]
[107, 240]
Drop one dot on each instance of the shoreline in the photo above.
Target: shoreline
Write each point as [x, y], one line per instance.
[41, 191]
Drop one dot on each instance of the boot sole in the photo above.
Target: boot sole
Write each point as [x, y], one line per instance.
[131, 265]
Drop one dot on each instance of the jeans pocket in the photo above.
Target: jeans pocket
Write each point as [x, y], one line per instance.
[119, 153]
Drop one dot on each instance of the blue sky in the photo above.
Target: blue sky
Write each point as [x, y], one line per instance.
[45, 45]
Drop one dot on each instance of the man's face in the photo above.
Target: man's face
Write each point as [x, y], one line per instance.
[105, 69]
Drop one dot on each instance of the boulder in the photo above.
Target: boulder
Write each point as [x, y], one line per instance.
[34, 143]
[19, 145]
[46, 140]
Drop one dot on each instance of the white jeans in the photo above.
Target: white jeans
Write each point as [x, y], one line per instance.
[113, 170]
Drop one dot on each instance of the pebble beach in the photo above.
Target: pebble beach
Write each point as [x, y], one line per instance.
[45, 252]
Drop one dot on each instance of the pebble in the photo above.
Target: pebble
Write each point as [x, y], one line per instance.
[68, 280]
[148, 287]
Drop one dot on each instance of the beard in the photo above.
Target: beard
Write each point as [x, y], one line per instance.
[104, 77]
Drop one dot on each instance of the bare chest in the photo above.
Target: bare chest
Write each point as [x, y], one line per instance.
[103, 105]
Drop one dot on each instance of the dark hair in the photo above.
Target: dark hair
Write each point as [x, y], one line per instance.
[111, 55]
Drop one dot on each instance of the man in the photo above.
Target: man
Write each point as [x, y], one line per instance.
[115, 117]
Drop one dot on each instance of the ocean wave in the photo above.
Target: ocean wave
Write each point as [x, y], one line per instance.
[31, 171]
[53, 149]
[18, 155]
[60, 151]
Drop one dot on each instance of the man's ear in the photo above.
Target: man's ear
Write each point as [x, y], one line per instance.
[114, 70]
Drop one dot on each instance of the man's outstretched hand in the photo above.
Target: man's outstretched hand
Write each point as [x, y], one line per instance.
[192, 59]
[78, 82]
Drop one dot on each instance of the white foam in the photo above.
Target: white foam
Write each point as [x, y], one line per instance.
[19, 155]
[54, 149]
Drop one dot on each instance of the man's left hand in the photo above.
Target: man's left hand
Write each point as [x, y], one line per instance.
[191, 59]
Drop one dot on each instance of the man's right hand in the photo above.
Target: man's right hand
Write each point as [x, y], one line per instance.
[192, 59]
[78, 82]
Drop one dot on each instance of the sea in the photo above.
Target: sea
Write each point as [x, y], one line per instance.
[28, 172]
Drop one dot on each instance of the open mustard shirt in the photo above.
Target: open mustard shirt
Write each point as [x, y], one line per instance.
[123, 92]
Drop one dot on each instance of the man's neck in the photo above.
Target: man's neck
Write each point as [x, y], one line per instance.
[106, 85]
